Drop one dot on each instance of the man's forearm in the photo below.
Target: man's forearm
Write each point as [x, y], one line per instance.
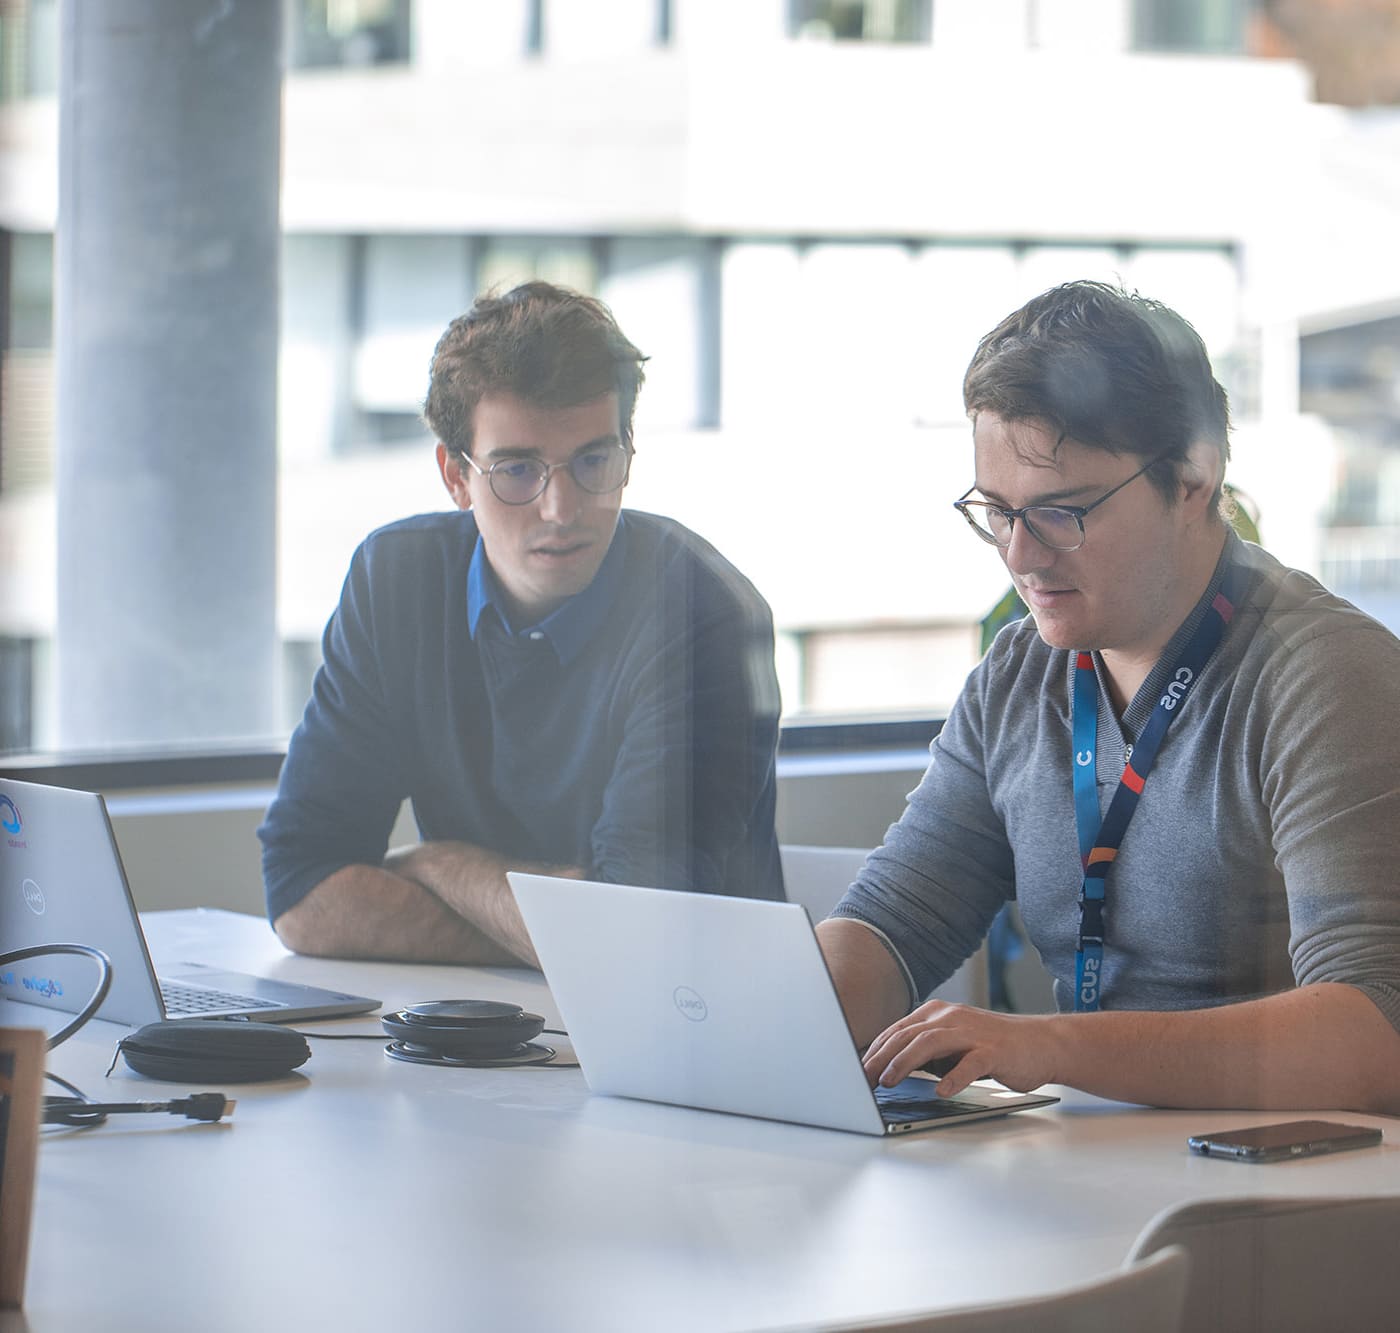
[471, 881]
[1323, 1045]
[367, 912]
[868, 981]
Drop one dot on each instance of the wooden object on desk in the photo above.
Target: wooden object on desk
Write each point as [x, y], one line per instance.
[21, 1074]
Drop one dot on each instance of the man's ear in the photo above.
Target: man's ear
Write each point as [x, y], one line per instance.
[1201, 475]
[453, 476]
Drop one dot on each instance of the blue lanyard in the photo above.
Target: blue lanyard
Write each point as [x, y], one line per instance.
[1099, 842]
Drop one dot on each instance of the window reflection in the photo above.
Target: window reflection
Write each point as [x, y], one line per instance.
[322, 33]
[807, 335]
[861, 20]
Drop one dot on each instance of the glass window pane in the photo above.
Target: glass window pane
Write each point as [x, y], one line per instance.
[1202, 284]
[313, 380]
[1216, 26]
[964, 290]
[413, 287]
[761, 332]
[658, 291]
[507, 261]
[348, 32]
[1046, 266]
[806, 364]
[26, 366]
[593, 29]
[1002, 24]
[860, 20]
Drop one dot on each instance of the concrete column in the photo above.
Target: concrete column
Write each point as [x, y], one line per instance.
[165, 302]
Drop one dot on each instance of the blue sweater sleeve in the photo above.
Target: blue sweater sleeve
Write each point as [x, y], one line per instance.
[342, 783]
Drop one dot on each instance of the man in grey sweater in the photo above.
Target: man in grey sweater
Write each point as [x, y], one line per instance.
[1181, 765]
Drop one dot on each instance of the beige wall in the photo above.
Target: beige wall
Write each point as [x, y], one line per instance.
[182, 851]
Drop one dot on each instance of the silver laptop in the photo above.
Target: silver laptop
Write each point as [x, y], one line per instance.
[723, 1004]
[62, 882]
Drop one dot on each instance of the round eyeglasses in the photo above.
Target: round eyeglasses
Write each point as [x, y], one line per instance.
[597, 469]
[1060, 527]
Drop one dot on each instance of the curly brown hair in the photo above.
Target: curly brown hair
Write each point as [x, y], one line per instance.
[544, 344]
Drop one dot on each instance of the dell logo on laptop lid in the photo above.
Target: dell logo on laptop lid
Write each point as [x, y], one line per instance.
[691, 1004]
[34, 897]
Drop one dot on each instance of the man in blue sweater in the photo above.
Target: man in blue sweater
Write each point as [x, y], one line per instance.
[556, 685]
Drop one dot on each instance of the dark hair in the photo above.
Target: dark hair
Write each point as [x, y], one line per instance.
[1107, 368]
[544, 344]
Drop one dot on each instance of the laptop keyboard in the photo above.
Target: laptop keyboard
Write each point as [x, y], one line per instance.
[184, 1000]
[897, 1110]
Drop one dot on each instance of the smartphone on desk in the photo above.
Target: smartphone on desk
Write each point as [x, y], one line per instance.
[1281, 1143]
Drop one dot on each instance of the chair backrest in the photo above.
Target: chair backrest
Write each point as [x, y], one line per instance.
[816, 877]
[1286, 1264]
[1146, 1297]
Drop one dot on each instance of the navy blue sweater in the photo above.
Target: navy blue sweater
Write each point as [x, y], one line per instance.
[636, 740]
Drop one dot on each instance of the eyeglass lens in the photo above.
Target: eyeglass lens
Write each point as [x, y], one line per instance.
[597, 471]
[1057, 528]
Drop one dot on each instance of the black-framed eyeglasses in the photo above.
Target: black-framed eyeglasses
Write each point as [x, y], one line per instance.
[1060, 527]
[598, 469]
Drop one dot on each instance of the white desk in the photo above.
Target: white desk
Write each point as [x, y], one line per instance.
[369, 1194]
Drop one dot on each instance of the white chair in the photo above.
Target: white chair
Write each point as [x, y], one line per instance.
[1285, 1265]
[817, 877]
[1145, 1297]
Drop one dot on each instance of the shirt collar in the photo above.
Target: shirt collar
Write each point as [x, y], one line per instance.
[568, 628]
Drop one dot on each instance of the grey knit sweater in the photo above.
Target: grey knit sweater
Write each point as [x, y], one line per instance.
[1265, 851]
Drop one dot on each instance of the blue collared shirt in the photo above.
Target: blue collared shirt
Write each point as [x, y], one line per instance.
[568, 627]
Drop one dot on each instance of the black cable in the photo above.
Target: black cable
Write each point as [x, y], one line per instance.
[379, 1036]
[67, 1111]
[341, 1036]
[104, 980]
[77, 1112]
[67, 1105]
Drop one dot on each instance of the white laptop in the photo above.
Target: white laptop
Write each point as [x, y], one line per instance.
[724, 1004]
[62, 882]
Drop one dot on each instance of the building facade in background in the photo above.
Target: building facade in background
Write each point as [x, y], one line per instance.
[806, 212]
